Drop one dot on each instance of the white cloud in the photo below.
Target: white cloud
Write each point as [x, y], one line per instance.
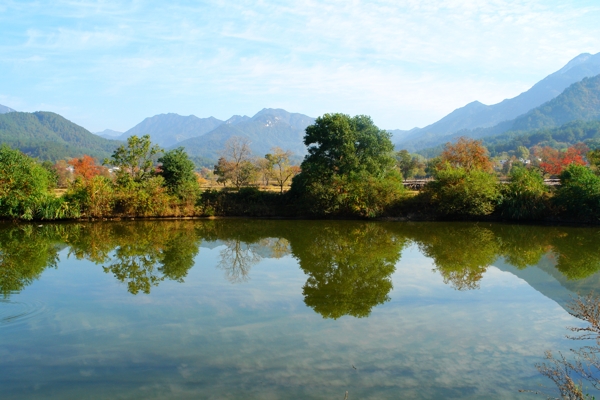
[406, 63]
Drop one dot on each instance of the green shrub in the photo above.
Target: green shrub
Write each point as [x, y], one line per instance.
[52, 208]
[526, 196]
[94, 198]
[457, 192]
[248, 201]
[148, 197]
[355, 194]
[579, 193]
[23, 184]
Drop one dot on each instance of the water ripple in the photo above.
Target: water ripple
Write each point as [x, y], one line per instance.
[13, 312]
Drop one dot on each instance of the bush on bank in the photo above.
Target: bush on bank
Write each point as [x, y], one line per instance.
[457, 191]
[526, 197]
[579, 193]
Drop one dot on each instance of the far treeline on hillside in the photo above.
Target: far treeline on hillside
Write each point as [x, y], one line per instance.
[50, 137]
[351, 171]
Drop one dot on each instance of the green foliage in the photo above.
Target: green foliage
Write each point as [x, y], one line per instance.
[342, 152]
[23, 184]
[136, 160]
[407, 164]
[349, 267]
[579, 193]
[94, 197]
[456, 192]
[526, 196]
[49, 136]
[359, 195]
[178, 171]
[26, 252]
[53, 208]
[145, 198]
[247, 201]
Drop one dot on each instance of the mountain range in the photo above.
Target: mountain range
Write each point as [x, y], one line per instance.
[579, 102]
[49, 136]
[570, 94]
[476, 115]
[204, 138]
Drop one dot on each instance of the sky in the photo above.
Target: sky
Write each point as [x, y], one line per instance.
[110, 64]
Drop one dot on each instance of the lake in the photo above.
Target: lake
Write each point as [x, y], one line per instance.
[240, 308]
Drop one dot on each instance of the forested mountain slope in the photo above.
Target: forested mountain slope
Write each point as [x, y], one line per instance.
[477, 115]
[49, 136]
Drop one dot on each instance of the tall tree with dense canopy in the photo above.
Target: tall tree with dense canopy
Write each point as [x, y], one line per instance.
[349, 168]
[466, 153]
[178, 171]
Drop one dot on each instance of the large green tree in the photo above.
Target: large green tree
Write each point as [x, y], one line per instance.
[178, 171]
[23, 184]
[135, 160]
[350, 167]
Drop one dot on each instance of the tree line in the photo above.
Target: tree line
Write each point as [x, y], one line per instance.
[350, 170]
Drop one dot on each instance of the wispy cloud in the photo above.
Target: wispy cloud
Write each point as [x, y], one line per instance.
[405, 63]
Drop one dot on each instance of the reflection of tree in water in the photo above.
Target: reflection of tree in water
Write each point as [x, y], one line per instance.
[153, 254]
[571, 375]
[577, 252]
[238, 257]
[523, 246]
[25, 252]
[145, 253]
[349, 267]
[236, 260]
[461, 253]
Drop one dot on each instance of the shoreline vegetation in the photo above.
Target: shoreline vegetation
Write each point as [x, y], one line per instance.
[351, 171]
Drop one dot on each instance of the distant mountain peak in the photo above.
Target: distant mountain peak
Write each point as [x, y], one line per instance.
[236, 119]
[4, 109]
[476, 115]
[580, 59]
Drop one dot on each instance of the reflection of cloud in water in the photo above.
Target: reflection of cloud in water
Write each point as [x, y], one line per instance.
[416, 350]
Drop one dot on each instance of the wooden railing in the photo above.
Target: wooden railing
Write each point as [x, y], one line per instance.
[418, 184]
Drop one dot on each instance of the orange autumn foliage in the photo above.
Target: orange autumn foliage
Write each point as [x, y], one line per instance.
[85, 167]
[467, 153]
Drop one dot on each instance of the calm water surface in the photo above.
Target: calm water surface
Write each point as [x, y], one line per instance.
[286, 309]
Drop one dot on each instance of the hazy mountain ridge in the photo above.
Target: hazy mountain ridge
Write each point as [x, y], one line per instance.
[109, 134]
[4, 109]
[477, 115]
[167, 130]
[267, 129]
[579, 102]
[49, 136]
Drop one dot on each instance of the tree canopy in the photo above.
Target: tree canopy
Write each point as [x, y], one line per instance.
[178, 171]
[135, 159]
[340, 145]
[350, 167]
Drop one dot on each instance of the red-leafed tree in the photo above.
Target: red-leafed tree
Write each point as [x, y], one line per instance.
[85, 167]
[554, 161]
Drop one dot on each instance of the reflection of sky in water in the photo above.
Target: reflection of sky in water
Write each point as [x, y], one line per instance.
[209, 338]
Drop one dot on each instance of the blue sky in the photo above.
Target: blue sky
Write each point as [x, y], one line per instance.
[110, 64]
